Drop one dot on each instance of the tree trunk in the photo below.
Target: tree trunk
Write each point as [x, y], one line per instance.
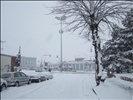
[96, 44]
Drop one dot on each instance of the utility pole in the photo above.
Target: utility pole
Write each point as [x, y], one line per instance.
[61, 19]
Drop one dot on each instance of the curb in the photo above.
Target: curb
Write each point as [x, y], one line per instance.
[126, 78]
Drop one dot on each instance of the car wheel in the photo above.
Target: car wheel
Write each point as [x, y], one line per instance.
[17, 84]
[3, 87]
[29, 82]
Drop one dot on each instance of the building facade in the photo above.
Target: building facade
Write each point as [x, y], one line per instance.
[84, 65]
[28, 62]
[7, 63]
[79, 64]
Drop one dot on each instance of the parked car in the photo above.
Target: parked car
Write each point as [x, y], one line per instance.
[47, 74]
[16, 78]
[35, 76]
[50, 75]
[3, 85]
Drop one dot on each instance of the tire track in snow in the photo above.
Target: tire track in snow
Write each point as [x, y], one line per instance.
[95, 93]
[52, 91]
[94, 90]
[85, 88]
[24, 96]
[62, 87]
[35, 90]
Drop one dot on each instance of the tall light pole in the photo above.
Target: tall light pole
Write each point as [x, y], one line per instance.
[2, 46]
[61, 19]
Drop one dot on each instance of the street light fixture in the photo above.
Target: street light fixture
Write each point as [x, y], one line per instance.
[61, 19]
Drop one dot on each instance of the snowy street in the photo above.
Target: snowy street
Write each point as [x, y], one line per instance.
[66, 50]
[68, 86]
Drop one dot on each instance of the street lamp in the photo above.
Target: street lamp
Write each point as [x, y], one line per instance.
[61, 19]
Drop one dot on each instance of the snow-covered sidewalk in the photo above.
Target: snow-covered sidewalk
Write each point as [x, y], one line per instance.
[123, 83]
[115, 88]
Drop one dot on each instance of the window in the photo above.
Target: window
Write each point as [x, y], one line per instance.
[81, 66]
[6, 75]
[74, 66]
[17, 74]
[23, 75]
[77, 66]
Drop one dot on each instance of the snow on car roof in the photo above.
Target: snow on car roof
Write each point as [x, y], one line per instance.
[32, 72]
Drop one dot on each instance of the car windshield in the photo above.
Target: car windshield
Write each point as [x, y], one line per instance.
[6, 75]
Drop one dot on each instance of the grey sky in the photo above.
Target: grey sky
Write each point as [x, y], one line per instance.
[25, 24]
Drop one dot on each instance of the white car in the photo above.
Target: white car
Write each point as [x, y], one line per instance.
[50, 75]
[47, 74]
[3, 85]
[35, 76]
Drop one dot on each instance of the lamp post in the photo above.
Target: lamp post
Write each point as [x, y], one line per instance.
[41, 65]
[2, 46]
[61, 19]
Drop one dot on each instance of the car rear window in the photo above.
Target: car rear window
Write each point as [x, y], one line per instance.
[6, 75]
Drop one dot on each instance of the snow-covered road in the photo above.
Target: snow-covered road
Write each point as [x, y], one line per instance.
[66, 86]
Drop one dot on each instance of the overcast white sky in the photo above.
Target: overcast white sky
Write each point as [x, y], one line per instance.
[23, 23]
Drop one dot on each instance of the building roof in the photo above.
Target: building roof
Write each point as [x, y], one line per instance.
[7, 55]
[79, 59]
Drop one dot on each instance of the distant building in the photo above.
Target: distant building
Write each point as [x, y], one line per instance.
[85, 65]
[79, 59]
[53, 66]
[28, 62]
[79, 64]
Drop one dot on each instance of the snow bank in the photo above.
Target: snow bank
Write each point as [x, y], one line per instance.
[114, 88]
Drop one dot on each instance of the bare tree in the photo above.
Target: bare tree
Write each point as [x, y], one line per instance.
[88, 16]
